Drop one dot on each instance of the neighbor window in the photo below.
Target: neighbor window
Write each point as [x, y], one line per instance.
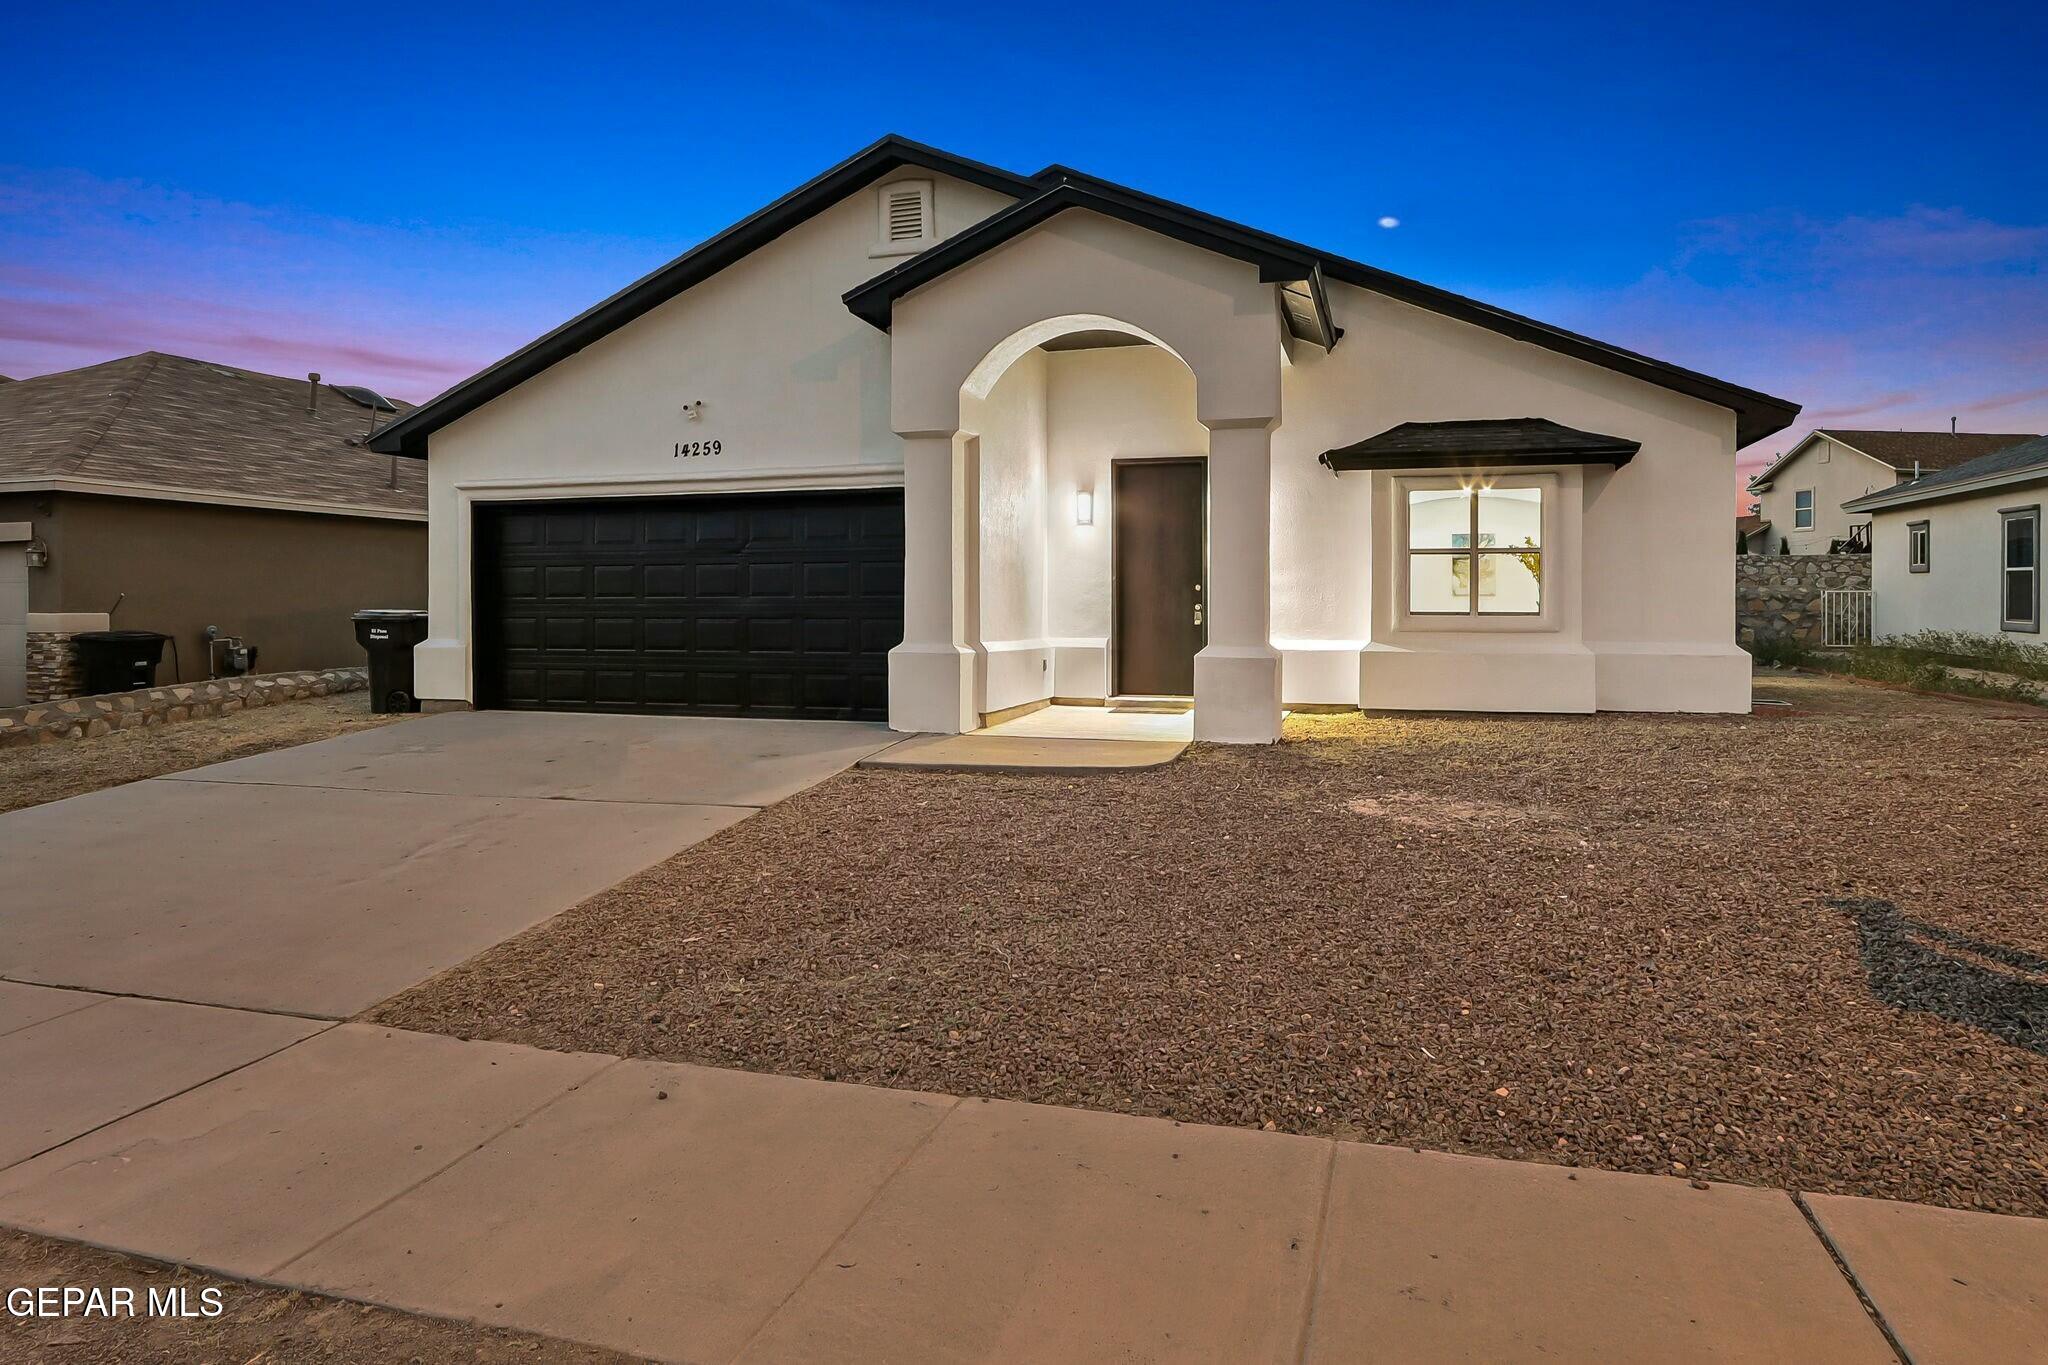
[1802, 510]
[2020, 569]
[1916, 546]
[1475, 552]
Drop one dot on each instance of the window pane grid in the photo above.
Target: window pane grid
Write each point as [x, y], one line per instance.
[1475, 552]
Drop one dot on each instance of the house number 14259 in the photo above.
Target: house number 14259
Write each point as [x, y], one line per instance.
[689, 450]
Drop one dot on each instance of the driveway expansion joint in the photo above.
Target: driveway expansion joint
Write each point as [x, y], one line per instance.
[1842, 1264]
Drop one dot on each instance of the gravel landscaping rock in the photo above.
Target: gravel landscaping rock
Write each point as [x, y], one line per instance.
[1630, 942]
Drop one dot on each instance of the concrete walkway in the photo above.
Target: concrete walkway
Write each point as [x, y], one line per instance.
[694, 1214]
[320, 879]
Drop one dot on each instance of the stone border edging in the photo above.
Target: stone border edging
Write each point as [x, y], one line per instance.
[79, 717]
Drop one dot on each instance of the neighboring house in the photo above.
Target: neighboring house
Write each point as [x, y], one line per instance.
[1755, 534]
[160, 493]
[1803, 490]
[1960, 549]
[929, 440]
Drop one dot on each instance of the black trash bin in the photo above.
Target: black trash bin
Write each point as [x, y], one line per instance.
[389, 636]
[119, 660]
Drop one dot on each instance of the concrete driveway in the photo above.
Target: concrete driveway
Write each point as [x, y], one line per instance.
[318, 880]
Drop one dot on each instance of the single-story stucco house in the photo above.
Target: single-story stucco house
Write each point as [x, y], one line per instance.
[1802, 492]
[157, 492]
[1960, 549]
[929, 440]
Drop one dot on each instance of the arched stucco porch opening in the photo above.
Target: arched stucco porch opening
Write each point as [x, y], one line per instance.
[953, 342]
[1054, 423]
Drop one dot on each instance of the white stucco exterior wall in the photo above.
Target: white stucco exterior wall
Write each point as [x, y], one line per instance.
[1645, 570]
[1010, 426]
[1960, 590]
[794, 386]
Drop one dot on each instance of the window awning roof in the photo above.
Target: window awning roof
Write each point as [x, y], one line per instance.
[1495, 442]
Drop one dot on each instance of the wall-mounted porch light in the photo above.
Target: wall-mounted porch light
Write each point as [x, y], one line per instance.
[37, 553]
[1084, 508]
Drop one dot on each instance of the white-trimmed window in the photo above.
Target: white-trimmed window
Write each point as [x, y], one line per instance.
[1474, 552]
[1802, 510]
[2019, 578]
[1918, 547]
[904, 224]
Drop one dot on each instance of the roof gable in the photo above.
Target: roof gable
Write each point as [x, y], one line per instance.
[409, 435]
[1300, 269]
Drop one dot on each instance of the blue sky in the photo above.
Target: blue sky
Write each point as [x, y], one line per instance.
[1844, 206]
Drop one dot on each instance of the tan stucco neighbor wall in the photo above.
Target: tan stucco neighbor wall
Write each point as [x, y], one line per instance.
[287, 582]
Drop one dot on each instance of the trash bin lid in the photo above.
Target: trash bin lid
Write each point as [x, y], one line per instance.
[388, 614]
[119, 637]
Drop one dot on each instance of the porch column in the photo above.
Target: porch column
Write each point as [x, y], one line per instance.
[932, 685]
[1237, 675]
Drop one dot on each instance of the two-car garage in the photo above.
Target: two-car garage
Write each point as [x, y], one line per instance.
[773, 605]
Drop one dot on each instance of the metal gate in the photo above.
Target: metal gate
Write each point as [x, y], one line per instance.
[1844, 617]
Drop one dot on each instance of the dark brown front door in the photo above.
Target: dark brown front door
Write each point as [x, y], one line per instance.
[1159, 575]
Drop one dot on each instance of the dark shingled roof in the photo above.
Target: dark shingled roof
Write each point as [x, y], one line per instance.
[1933, 449]
[1750, 525]
[155, 421]
[1757, 415]
[2013, 459]
[1504, 441]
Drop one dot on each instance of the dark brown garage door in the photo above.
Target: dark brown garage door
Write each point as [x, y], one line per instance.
[780, 604]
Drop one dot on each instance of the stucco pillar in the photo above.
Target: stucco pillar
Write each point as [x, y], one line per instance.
[1237, 674]
[932, 682]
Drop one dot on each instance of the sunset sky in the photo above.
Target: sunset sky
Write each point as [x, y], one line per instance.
[1847, 208]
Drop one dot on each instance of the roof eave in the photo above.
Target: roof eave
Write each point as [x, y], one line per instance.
[1905, 495]
[408, 436]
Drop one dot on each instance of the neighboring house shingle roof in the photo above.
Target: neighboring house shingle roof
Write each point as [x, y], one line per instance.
[1930, 449]
[1757, 414]
[2011, 464]
[1752, 525]
[168, 423]
[1902, 449]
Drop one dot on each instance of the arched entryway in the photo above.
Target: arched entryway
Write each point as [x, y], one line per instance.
[956, 345]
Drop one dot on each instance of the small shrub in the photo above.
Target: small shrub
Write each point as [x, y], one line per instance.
[1909, 662]
[1992, 653]
[1779, 651]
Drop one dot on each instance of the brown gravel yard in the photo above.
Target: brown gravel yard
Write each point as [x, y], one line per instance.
[33, 774]
[255, 1326]
[1807, 948]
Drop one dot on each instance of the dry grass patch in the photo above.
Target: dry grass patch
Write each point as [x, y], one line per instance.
[1643, 943]
[36, 773]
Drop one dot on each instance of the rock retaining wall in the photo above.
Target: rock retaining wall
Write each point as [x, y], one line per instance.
[77, 717]
[1779, 595]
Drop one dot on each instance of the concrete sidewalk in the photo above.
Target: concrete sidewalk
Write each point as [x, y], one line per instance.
[696, 1214]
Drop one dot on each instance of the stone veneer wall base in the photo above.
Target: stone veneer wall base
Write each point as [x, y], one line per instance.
[1778, 596]
[78, 717]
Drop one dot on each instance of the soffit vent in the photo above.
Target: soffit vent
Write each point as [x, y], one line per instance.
[906, 218]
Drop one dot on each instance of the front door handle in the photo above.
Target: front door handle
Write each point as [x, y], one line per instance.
[1198, 613]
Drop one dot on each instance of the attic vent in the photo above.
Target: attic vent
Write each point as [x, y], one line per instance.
[906, 218]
